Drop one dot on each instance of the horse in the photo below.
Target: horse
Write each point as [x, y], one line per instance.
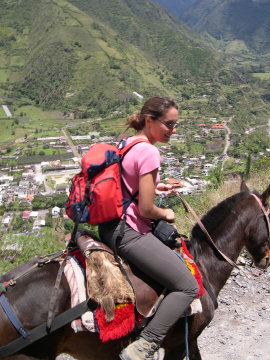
[236, 222]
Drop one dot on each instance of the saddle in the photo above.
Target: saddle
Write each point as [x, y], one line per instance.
[146, 293]
[103, 271]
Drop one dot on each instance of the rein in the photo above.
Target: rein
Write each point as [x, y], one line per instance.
[188, 208]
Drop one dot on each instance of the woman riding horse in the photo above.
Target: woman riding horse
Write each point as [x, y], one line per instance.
[238, 221]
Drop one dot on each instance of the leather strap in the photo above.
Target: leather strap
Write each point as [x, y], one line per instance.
[12, 317]
[232, 263]
[40, 262]
[42, 330]
[266, 213]
[189, 208]
[54, 295]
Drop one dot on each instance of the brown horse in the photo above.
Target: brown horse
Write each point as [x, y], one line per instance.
[236, 222]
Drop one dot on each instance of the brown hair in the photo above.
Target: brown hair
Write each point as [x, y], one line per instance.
[156, 107]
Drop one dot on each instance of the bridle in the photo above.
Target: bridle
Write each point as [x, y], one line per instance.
[188, 208]
[266, 215]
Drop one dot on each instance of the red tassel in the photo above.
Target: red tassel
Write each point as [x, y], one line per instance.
[121, 325]
[196, 271]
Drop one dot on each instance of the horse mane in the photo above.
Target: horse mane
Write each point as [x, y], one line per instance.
[217, 217]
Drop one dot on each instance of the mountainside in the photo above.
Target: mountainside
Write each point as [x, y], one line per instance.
[81, 54]
[175, 7]
[246, 20]
[161, 38]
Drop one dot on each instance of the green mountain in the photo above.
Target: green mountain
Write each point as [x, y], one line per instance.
[84, 55]
[89, 57]
[176, 7]
[228, 20]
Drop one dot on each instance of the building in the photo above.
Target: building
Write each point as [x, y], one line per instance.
[217, 127]
[56, 211]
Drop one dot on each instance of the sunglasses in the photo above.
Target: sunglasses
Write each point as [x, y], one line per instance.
[169, 124]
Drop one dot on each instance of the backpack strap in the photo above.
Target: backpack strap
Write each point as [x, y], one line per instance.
[123, 149]
[115, 242]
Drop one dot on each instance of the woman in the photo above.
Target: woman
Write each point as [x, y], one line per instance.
[156, 122]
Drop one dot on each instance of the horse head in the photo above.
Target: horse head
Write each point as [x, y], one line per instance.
[258, 239]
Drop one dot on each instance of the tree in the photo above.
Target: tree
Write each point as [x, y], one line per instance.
[217, 176]
[41, 202]
[246, 174]
[49, 220]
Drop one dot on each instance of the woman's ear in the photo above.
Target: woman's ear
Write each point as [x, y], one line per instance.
[148, 120]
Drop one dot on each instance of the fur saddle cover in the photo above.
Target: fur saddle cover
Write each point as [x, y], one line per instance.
[117, 299]
[106, 284]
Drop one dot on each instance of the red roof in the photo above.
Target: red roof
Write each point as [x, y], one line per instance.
[174, 182]
[217, 126]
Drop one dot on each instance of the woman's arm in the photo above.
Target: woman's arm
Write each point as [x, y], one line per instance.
[147, 208]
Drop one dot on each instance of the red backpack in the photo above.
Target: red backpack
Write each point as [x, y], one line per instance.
[96, 192]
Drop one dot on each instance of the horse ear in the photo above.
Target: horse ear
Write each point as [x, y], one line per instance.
[243, 186]
[265, 195]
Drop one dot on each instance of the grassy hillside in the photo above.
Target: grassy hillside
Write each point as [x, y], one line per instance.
[93, 55]
[55, 53]
[161, 38]
[228, 20]
[86, 58]
[175, 7]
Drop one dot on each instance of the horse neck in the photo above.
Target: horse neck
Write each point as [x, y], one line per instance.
[214, 268]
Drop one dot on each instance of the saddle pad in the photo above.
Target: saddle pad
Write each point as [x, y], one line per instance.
[76, 280]
[120, 326]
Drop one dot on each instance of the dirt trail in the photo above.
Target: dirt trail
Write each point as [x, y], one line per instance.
[240, 329]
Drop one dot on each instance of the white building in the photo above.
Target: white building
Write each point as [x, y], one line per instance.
[7, 111]
[138, 95]
[56, 211]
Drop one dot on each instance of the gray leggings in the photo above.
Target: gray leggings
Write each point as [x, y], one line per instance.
[159, 262]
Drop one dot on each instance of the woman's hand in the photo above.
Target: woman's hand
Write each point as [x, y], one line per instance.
[147, 188]
[169, 215]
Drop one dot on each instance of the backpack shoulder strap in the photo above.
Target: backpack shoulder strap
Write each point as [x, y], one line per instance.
[122, 153]
[126, 148]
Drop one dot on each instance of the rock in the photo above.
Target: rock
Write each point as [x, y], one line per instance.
[241, 326]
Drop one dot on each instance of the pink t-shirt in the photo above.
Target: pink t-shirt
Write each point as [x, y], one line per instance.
[139, 160]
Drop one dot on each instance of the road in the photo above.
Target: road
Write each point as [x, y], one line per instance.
[227, 140]
[41, 178]
[227, 137]
[71, 145]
